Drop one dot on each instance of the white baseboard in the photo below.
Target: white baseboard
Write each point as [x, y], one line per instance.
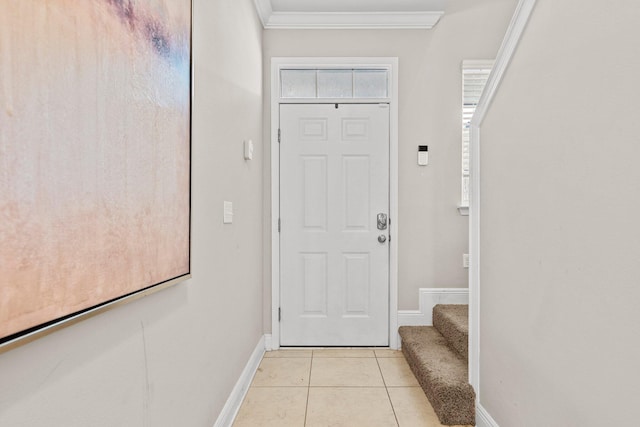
[429, 297]
[268, 346]
[231, 407]
[483, 419]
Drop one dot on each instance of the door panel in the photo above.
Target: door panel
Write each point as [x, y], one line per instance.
[334, 181]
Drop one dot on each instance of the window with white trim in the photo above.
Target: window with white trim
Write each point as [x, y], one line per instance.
[338, 83]
[475, 74]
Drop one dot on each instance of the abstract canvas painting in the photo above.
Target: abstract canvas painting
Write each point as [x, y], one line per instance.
[95, 113]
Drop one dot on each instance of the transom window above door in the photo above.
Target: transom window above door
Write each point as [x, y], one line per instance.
[334, 83]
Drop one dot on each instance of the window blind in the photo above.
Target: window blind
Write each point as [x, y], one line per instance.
[475, 74]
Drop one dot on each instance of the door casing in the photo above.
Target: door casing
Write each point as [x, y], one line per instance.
[390, 63]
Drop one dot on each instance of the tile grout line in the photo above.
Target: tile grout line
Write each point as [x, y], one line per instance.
[334, 386]
[386, 389]
[306, 408]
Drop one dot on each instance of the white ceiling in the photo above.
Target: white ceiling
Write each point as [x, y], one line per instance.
[350, 13]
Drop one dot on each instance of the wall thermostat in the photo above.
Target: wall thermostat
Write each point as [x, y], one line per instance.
[423, 155]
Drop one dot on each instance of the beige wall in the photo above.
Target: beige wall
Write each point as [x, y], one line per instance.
[559, 227]
[433, 236]
[171, 359]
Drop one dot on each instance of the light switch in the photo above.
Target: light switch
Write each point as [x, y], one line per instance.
[228, 213]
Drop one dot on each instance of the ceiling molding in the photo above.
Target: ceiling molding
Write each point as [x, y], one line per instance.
[345, 20]
[264, 10]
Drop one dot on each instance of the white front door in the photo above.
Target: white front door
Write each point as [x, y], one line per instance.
[334, 183]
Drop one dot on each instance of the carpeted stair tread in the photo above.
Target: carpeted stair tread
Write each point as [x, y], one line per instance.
[441, 372]
[452, 321]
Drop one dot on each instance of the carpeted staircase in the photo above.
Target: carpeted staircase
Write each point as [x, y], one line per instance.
[438, 357]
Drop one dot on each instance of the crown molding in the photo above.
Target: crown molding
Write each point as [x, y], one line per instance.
[263, 7]
[353, 20]
[345, 20]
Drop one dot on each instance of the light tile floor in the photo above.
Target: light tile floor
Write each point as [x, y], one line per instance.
[335, 387]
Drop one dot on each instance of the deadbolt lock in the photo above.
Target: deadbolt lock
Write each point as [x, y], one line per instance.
[382, 221]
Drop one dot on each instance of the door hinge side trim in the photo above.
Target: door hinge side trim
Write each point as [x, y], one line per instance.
[278, 225]
[279, 136]
[279, 314]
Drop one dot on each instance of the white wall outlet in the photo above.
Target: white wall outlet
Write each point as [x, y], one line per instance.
[227, 217]
[465, 260]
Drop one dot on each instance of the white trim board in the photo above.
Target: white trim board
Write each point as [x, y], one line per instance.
[505, 54]
[267, 342]
[345, 20]
[483, 419]
[352, 21]
[231, 407]
[391, 63]
[428, 298]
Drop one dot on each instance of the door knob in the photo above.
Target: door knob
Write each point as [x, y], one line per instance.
[382, 238]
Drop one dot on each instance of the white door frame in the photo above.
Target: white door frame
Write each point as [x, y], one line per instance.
[391, 64]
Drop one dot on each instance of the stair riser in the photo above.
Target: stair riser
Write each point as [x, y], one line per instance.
[441, 372]
[452, 321]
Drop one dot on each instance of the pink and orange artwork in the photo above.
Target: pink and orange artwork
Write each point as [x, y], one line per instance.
[95, 106]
